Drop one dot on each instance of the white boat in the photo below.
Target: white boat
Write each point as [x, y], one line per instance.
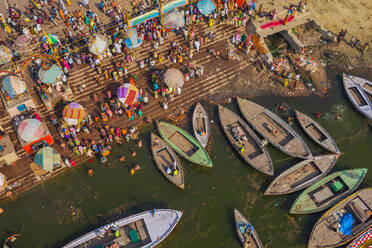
[357, 96]
[143, 230]
[364, 83]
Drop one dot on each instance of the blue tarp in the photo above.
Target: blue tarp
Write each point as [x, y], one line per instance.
[346, 223]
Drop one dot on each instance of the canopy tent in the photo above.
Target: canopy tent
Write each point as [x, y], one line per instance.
[13, 85]
[128, 94]
[50, 74]
[173, 20]
[132, 40]
[31, 130]
[51, 39]
[2, 181]
[5, 54]
[47, 158]
[206, 7]
[173, 78]
[74, 113]
[98, 44]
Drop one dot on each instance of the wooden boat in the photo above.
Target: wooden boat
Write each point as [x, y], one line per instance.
[328, 191]
[327, 230]
[167, 161]
[247, 234]
[302, 175]
[316, 132]
[357, 96]
[276, 131]
[146, 229]
[184, 144]
[200, 124]
[241, 136]
[364, 240]
[363, 83]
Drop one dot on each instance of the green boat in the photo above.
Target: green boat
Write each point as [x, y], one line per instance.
[184, 144]
[328, 191]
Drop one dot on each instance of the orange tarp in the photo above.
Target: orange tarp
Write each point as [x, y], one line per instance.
[258, 44]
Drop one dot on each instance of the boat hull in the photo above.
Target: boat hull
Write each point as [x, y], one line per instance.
[307, 202]
[302, 175]
[274, 129]
[357, 96]
[240, 219]
[200, 123]
[165, 158]
[184, 144]
[317, 133]
[326, 231]
[254, 153]
[158, 226]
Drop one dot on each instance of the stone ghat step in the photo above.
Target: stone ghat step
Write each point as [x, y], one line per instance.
[194, 94]
[143, 52]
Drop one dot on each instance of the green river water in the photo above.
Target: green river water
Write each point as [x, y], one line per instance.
[44, 216]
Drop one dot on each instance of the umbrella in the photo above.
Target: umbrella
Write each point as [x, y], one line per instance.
[174, 19]
[5, 53]
[206, 7]
[50, 39]
[22, 42]
[2, 180]
[98, 44]
[74, 113]
[173, 78]
[30, 130]
[47, 158]
[128, 94]
[50, 74]
[13, 85]
[133, 39]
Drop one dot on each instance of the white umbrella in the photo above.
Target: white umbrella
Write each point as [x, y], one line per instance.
[98, 44]
[173, 78]
[174, 19]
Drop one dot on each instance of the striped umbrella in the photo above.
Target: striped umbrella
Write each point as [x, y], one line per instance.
[173, 78]
[206, 7]
[30, 130]
[50, 74]
[2, 180]
[128, 94]
[47, 158]
[74, 113]
[98, 44]
[13, 85]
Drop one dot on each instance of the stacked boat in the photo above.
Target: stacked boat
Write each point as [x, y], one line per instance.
[321, 191]
[175, 139]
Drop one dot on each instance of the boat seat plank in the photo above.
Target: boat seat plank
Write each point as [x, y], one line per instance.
[141, 230]
[316, 133]
[357, 96]
[181, 142]
[323, 194]
[124, 237]
[274, 129]
[358, 208]
[303, 174]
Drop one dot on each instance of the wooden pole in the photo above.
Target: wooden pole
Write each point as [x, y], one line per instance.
[161, 16]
